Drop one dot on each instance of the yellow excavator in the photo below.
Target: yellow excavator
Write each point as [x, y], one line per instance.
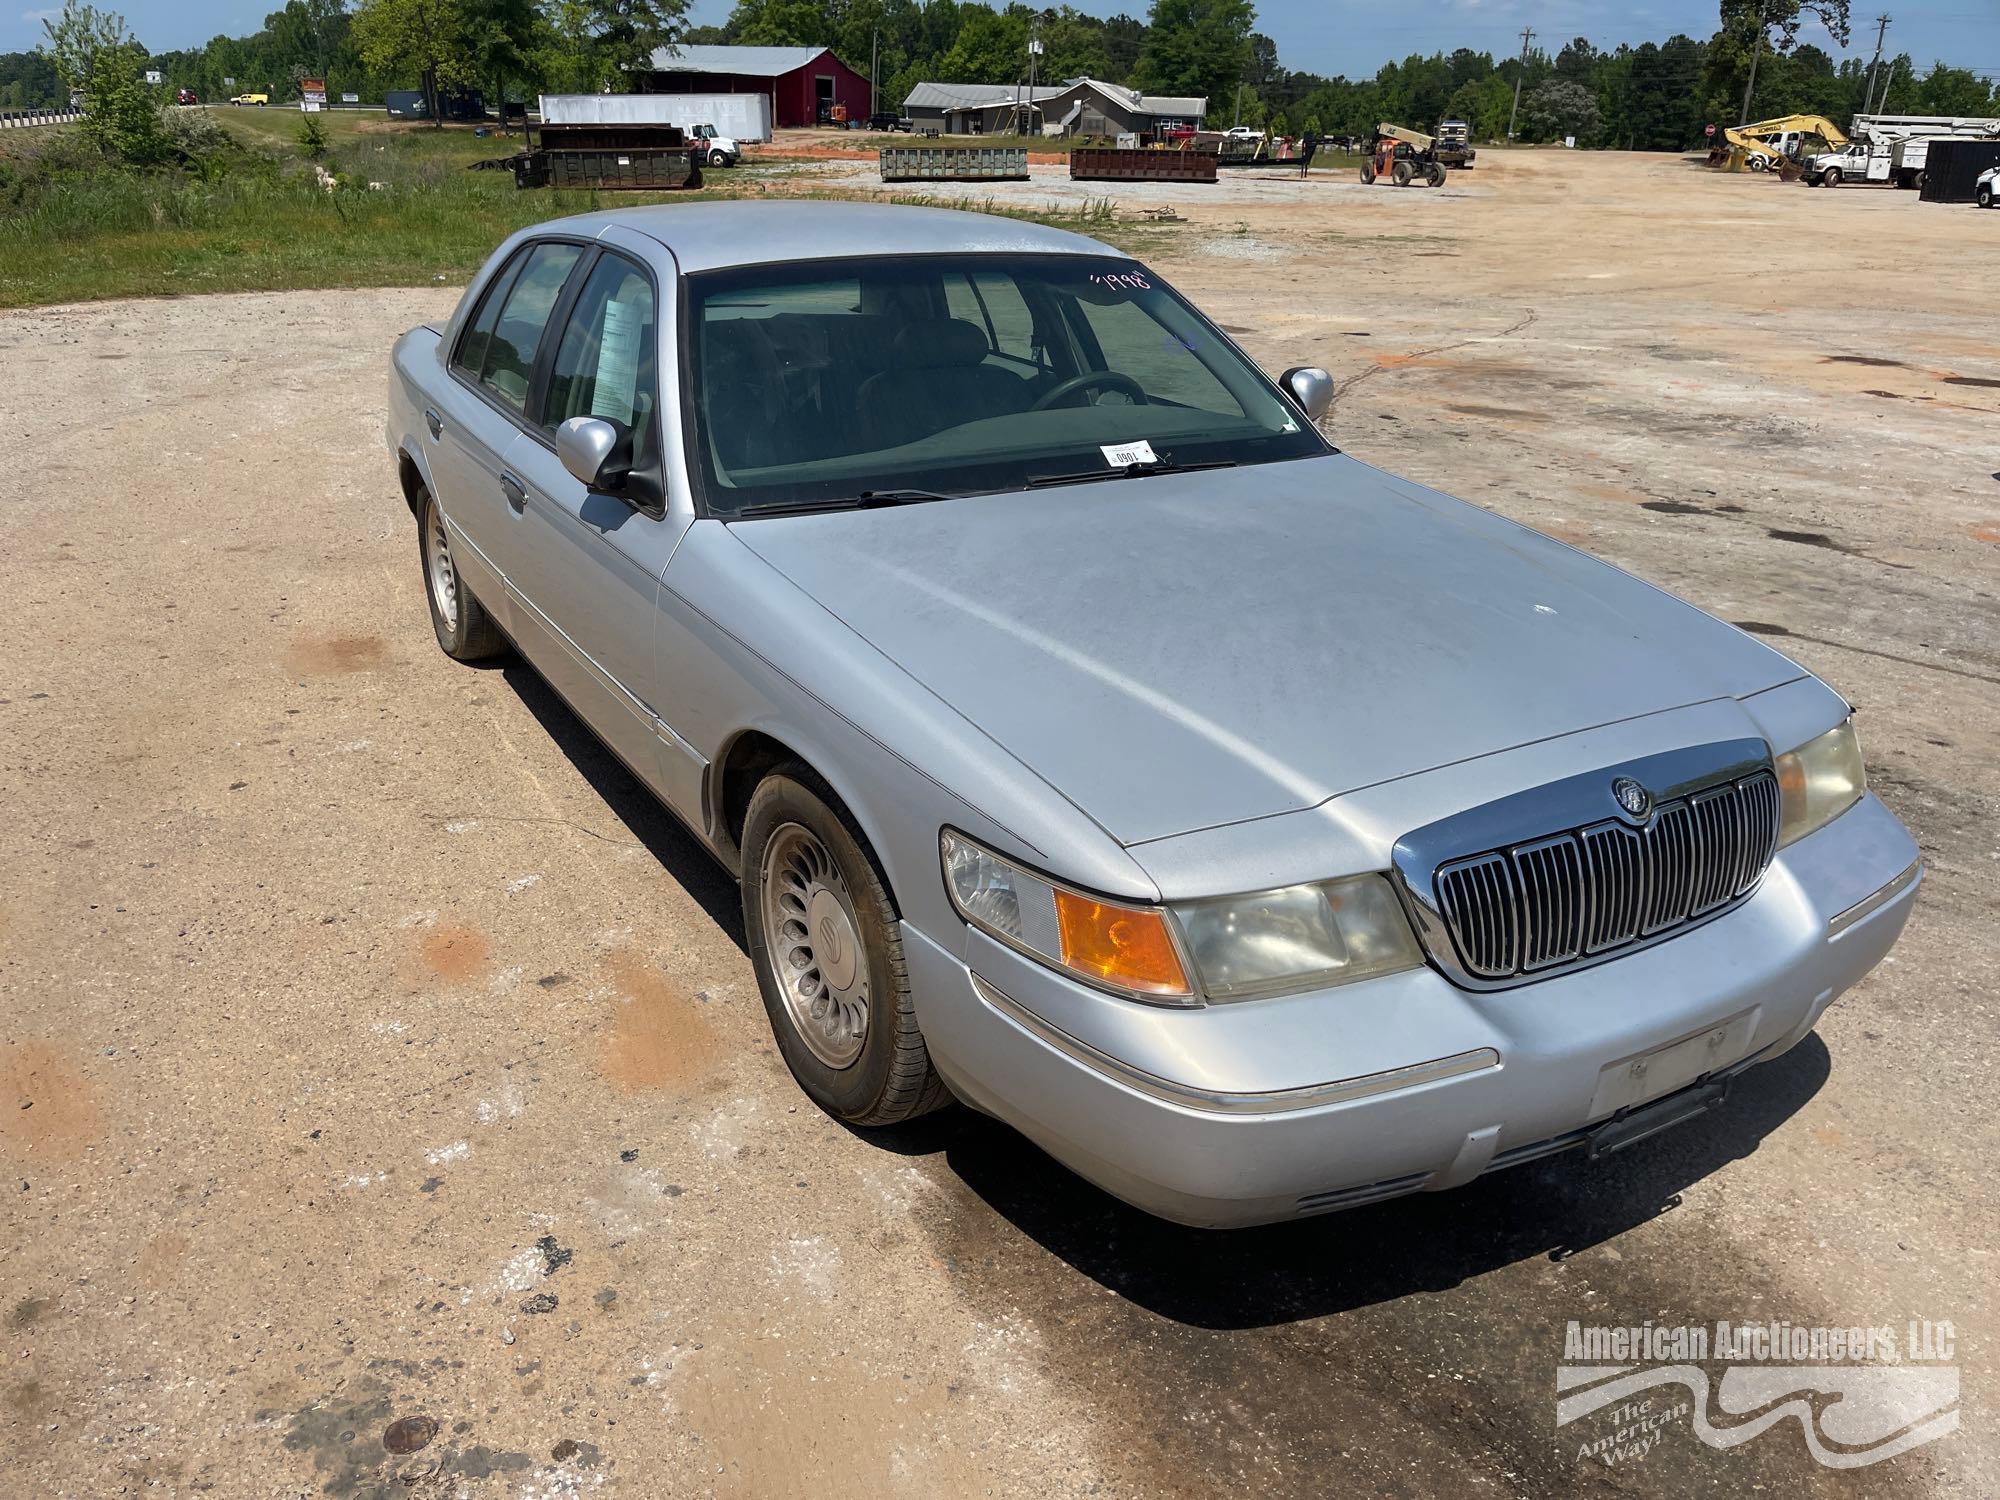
[1773, 145]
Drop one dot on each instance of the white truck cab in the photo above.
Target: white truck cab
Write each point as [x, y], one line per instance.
[718, 150]
[1988, 187]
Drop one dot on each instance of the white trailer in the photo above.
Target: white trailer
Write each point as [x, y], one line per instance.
[742, 117]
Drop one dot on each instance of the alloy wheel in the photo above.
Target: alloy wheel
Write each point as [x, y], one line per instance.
[813, 946]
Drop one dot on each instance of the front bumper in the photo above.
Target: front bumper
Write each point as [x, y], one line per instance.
[1262, 1110]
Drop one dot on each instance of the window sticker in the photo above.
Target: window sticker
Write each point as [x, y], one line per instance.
[616, 393]
[1125, 455]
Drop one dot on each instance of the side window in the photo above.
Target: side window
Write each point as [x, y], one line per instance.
[991, 301]
[510, 352]
[606, 365]
[479, 332]
[1162, 361]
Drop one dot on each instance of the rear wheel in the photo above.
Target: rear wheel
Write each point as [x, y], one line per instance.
[1434, 175]
[822, 935]
[1400, 173]
[464, 629]
[1984, 197]
[1367, 175]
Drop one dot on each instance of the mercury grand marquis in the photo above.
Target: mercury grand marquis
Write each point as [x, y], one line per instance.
[1098, 745]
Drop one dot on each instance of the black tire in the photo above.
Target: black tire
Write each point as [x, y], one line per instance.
[891, 1080]
[1367, 175]
[472, 635]
[1830, 177]
[1400, 174]
[1984, 197]
[1434, 175]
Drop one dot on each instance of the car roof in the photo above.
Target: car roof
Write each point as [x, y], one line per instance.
[707, 236]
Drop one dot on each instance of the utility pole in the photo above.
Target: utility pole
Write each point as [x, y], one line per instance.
[874, 66]
[1034, 61]
[1756, 47]
[1868, 99]
[1527, 36]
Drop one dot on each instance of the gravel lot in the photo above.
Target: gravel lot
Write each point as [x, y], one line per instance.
[374, 1054]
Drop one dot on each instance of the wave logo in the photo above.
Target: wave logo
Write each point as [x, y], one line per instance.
[1851, 1415]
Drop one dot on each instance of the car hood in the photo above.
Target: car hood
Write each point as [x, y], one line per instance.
[1188, 650]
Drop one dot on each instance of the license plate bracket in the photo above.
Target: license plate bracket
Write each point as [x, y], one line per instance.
[1635, 1125]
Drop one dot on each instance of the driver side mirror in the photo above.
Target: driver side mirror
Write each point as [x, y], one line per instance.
[1312, 388]
[597, 453]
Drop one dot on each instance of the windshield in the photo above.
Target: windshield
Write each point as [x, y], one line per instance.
[815, 382]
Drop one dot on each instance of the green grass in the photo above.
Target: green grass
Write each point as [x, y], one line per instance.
[266, 224]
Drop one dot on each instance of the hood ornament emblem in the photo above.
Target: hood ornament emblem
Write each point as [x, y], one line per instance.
[1631, 796]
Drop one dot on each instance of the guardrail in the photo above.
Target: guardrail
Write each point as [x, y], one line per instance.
[1126, 164]
[14, 119]
[953, 163]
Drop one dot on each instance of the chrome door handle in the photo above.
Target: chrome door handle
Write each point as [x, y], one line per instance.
[433, 421]
[515, 491]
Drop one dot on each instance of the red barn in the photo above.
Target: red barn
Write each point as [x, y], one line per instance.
[807, 85]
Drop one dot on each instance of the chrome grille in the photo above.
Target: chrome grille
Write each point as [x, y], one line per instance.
[1533, 907]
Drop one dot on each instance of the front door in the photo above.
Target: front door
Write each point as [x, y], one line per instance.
[478, 412]
[589, 560]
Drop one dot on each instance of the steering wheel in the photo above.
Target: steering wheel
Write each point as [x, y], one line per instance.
[1088, 379]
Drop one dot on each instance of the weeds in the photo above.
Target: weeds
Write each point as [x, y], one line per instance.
[246, 212]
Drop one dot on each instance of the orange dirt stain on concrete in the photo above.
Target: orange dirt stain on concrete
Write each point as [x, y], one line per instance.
[1988, 531]
[48, 1111]
[332, 655]
[453, 952]
[658, 1038]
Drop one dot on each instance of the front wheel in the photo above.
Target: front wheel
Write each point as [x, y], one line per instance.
[1831, 177]
[1367, 175]
[1434, 175]
[1400, 174]
[1984, 197]
[822, 936]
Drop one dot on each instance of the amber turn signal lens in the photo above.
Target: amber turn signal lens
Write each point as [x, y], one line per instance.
[1121, 945]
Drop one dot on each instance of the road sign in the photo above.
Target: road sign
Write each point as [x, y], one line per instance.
[154, 76]
[229, 83]
[1708, 130]
[312, 90]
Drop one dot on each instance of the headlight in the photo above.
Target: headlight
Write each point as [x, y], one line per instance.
[1300, 937]
[1128, 948]
[1818, 782]
[1232, 948]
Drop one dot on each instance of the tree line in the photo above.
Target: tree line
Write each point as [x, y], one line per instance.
[1650, 96]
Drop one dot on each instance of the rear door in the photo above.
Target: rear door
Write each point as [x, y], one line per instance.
[589, 560]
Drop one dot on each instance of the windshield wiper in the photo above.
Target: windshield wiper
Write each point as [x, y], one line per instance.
[866, 500]
[1129, 471]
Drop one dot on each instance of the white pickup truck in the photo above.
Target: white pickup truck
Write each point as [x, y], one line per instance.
[1989, 186]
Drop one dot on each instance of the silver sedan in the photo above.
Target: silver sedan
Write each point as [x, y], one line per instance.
[1094, 743]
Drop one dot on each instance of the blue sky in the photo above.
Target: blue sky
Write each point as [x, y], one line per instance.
[1354, 37]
